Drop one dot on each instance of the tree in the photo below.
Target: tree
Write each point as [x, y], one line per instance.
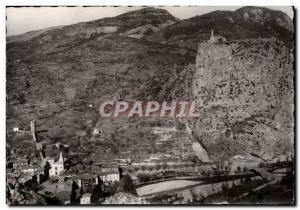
[8, 195]
[143, 168]
[238, 169]
[120, 172]
[10, 165]
[126, 185]
[129, 170]
[44, 177]
[164, 166]
[81, 191]
[46, 170]
[97, 192]
[73, 198]
[150, 168]
[225, 190]
[32, 183]
[261, 165]
[106, 44]
[148, 31]
[158, 167]
[195, 159]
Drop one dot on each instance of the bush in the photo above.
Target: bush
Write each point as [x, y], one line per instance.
[106, 44]
[148, 31]
[126, 185]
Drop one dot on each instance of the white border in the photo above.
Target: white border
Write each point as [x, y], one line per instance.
[4, 3]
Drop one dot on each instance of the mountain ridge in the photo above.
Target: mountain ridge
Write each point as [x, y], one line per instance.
[195, 27]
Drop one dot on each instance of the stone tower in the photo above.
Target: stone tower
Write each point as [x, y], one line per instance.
[212, 37]
[33, 130]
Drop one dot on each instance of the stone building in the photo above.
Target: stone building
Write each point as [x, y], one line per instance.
[57, 167]
[86, 199]
[216, 39]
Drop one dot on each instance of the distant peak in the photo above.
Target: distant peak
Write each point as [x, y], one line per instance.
[149, 12]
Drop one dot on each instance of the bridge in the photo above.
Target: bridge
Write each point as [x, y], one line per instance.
[263, 173]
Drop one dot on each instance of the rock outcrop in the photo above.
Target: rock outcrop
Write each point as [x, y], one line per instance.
[245, 93]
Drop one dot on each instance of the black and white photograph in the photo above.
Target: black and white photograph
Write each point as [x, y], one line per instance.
[150, 105]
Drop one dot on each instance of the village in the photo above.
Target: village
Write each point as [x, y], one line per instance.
[52, 174]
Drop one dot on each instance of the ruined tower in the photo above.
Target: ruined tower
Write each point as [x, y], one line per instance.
[212, 37]
[33, 130]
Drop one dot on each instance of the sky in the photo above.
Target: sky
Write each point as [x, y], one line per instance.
[23, 19]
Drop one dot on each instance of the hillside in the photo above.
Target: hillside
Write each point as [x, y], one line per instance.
[244, 23]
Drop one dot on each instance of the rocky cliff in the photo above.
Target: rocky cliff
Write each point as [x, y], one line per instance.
[245, 94]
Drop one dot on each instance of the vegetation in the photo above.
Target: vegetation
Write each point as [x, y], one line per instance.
[73, 196]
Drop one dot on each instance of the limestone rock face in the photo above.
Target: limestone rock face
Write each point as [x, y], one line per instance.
[244, 91]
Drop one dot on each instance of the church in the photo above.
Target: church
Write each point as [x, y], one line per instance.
[57, 167]
[216, 39]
